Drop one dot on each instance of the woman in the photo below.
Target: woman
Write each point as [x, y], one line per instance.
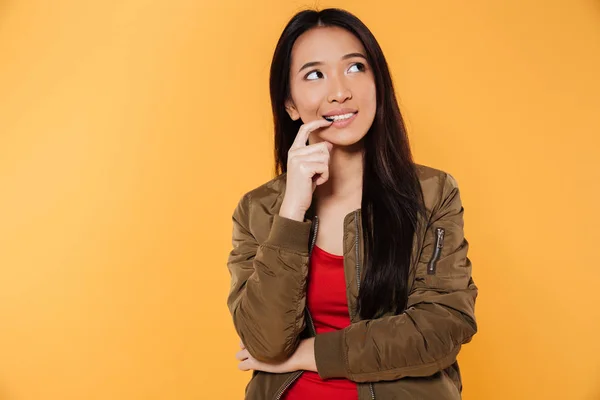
[349, 269]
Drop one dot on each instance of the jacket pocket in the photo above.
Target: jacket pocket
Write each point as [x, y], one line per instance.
[437, 251]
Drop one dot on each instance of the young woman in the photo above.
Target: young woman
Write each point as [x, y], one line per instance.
[349, 269]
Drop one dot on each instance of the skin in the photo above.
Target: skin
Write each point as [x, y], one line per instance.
[329, 169]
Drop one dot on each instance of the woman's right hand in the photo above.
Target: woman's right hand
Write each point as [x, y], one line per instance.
[307, 167]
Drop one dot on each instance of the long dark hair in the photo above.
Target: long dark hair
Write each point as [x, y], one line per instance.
[391, 195]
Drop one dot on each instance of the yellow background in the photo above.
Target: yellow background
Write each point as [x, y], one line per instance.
[129, 130]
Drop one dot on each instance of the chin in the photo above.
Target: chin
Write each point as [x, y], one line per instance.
[342, 138]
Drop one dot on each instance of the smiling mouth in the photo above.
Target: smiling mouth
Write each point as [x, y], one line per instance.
[341, 117]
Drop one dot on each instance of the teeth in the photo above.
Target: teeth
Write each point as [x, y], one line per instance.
[339, 117]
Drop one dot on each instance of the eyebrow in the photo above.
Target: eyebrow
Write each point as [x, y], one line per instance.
[347, 56]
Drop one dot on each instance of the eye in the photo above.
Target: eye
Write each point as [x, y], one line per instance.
[313, 73]
[359, 66]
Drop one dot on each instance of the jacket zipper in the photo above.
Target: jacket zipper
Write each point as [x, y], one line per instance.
[311, 325]
[288, 383]
[293, 378]
[371, 389]
[439, 244]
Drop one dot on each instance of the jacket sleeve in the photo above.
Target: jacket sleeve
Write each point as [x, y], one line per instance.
[439, 317]
[268, 283]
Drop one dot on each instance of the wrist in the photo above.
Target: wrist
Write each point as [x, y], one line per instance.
[306, 351]
[289, 212]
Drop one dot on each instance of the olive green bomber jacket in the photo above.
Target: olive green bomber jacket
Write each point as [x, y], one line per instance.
[407, 356]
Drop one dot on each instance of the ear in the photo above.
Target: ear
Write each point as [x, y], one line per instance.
[291, 110]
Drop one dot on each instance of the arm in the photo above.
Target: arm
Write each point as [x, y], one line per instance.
[268, 284]
[439, 317]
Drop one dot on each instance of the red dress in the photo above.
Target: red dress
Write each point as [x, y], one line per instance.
[328, 306]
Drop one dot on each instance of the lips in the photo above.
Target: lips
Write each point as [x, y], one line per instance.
[340, 114]
[340, 111]
[342, 121]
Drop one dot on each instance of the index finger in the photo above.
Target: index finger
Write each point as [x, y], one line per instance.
[306, 129]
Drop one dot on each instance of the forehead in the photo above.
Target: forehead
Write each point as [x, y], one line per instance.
[326, 44]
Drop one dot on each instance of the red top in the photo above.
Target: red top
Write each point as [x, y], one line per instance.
[328, 306]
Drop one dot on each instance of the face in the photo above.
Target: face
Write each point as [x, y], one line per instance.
[331, 78]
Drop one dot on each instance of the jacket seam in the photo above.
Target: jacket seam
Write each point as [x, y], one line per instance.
[442, 187]
[345, 354]
[298, 316]
[270, 246]
[249, 195]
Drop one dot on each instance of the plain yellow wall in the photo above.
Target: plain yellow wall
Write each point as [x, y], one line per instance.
[129, 130]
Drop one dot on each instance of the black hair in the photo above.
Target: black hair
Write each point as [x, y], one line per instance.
[391, 196]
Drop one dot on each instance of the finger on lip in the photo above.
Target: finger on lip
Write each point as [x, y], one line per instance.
[309, 127]
[320, 122]
[314, 125]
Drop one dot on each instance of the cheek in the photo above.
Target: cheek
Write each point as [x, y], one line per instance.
[368, 97]
[308, 99]
[372, 90]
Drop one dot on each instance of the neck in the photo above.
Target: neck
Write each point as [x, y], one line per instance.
[345, 176]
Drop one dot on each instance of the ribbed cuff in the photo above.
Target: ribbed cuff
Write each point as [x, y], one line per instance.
[289, 233]
[329, 355]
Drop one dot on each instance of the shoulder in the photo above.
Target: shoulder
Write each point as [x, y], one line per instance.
[257, 207]
[267, 192]
[436, 184]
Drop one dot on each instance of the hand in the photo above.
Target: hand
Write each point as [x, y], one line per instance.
[307, 167]
[302, 359]
[248, 362]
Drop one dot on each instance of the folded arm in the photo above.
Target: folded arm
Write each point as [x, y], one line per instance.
[268, 284]
[439, 317]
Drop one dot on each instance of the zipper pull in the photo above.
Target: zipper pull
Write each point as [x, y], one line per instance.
[440, 237]
[437, 252]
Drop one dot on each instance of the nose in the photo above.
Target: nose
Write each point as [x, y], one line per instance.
[340, 92]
